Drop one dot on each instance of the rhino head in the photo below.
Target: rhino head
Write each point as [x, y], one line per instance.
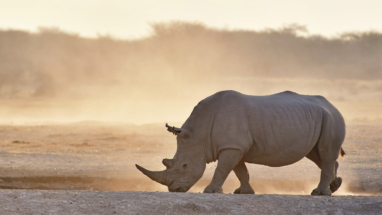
[187, 166]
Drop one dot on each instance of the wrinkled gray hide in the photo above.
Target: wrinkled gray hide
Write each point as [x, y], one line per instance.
[235, 129]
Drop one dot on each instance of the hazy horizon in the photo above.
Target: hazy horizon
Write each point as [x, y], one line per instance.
[153, 61]
[131, 19]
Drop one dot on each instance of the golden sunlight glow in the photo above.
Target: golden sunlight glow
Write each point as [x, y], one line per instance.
[86, 88]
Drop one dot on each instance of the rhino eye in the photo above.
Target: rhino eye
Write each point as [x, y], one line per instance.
[184, 165]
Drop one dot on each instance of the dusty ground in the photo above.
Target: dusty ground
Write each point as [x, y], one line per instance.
[109, 202]
[101, 157]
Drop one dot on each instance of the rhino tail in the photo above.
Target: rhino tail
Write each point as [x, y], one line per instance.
[342, 153]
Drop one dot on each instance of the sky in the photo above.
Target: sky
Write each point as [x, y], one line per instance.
[127, 19]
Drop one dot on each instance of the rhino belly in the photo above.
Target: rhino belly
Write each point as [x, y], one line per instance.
[275, 159]
[281, 151]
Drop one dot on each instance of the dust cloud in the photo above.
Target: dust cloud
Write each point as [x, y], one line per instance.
[54, 76]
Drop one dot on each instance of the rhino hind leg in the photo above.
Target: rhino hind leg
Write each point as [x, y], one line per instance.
[325, 153]
[243, 176]
[336, 183]
[327, 177]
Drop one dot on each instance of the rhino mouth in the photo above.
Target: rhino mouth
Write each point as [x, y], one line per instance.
[177, 188]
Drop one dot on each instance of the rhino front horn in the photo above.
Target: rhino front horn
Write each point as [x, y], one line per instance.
[158, 176]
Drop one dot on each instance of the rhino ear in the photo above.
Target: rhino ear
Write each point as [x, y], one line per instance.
[183, 133]
[173, 129]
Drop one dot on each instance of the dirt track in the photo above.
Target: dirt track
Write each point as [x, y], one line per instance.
[108, 202]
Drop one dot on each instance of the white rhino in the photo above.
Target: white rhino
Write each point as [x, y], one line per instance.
[235, 129]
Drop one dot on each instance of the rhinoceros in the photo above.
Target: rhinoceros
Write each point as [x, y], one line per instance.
[274, 130]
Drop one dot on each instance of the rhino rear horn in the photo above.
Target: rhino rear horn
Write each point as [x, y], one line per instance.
[158, 176]
[169, 163]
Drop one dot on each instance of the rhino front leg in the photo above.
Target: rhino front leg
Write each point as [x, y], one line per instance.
[243, 176]
[227, 160]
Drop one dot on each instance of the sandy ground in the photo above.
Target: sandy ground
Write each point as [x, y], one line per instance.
[49, 160]
[98, 156]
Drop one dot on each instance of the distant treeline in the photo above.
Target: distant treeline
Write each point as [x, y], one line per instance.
[179, 53]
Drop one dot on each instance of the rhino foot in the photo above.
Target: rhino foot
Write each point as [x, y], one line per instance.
[318, 192]
[213, 189]
[336, 183]
[247, 190]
